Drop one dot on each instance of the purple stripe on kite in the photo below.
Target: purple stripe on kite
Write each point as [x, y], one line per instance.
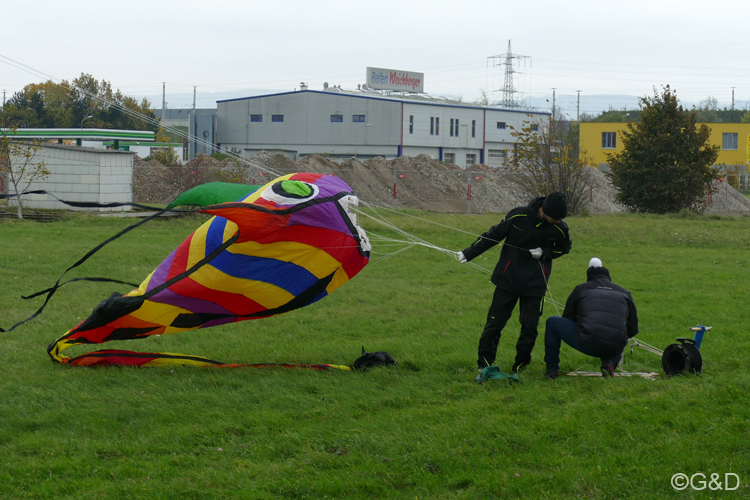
[325, 215]
[190, 303]
[161, 272]
[329, 186]
[217, 322]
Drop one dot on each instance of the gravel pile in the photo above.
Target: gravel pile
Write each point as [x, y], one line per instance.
[421, 182]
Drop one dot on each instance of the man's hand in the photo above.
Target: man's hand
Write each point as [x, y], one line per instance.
[461, 258]
[536, 252]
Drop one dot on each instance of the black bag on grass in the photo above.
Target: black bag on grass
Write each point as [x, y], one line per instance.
[372, 359]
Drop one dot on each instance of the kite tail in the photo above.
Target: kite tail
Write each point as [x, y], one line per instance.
[116, 357]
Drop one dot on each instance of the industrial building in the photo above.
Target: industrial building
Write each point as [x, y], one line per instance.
[199, 124]
[365, 123]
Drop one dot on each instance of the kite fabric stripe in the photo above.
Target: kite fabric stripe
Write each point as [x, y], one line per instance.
[283, 246]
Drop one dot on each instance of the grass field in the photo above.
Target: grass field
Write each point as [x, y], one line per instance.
[424, 430]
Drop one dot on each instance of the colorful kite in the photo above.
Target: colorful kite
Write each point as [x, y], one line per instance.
[286, 245]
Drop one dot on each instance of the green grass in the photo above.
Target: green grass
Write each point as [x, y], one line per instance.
[424, 430]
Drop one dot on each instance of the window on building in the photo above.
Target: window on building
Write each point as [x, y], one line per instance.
[471, 159]
[609, 140]
[729, 141]
[437, 125]
[454, 127]
[473, 128]
[432, 125]
[256, 118]
[534, 127]
[497, 153]
[449, 157]
[411, 124]
[358, 118]
[501, 125]
[337, 118]
[277, 118]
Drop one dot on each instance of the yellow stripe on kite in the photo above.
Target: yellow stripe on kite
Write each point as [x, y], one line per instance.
[338, 279]
[253, 197]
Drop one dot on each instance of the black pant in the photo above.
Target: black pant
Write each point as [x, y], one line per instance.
[500, 311]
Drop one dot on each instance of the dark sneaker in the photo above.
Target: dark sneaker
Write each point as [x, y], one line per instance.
[551, 375]
[608, 370]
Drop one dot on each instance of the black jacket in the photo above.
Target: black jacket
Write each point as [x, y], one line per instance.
[517, 271]
[604, 314]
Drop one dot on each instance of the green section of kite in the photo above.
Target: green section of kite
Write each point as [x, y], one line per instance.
[213, 193]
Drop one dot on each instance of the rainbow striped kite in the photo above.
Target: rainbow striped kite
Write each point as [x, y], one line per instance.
[286, 245]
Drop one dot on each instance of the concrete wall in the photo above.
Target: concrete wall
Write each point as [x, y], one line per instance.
[83, 175]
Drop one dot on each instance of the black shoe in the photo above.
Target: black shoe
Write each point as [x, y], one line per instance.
[551, 375]
[608, 370]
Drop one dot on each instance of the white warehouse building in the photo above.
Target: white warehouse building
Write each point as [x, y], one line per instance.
[366, 123]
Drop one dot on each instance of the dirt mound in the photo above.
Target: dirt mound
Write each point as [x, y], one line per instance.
[420, 182]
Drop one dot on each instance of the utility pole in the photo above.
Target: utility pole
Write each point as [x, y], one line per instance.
[3, 97]
[732, 97]
[578, 106]
[553, 103]
[192, 128]
[163, 100]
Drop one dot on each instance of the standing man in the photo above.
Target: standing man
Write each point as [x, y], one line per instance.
[598, 320]
[534, 235]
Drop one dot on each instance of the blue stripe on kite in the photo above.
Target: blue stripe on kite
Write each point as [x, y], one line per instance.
[291, 277]
[215, 234]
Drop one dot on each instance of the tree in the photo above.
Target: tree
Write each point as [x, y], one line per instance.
[666, 163]
[20, 163]
[65, 105]
[546, 158]
[167, 157]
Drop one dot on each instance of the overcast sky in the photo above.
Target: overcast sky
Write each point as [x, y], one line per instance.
[597, 48]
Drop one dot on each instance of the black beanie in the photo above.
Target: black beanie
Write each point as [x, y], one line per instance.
[555, 205]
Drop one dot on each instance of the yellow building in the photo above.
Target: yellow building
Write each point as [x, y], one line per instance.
[601, 139]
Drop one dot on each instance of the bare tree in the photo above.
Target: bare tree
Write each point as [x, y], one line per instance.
[20, 163]
[547, 158]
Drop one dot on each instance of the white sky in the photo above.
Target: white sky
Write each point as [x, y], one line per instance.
[598, 48]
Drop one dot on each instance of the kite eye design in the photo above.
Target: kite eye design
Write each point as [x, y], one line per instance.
[289, 192]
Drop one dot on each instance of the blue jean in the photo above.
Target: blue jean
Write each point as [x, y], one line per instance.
[560, 330]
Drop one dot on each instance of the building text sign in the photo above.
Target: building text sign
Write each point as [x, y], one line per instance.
[392, 79]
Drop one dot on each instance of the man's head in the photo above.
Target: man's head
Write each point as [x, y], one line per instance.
[596, 269]
[555, 207]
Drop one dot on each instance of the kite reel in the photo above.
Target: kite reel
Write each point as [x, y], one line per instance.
[684, 357]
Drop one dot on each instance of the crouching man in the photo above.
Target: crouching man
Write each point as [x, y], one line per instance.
[598, 320]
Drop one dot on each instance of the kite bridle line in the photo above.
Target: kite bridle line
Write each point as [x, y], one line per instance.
[140, 116]
[414, 241]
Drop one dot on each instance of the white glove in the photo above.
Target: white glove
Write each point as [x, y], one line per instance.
[461, 258]
[536, 252]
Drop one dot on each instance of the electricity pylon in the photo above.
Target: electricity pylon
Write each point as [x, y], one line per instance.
[508, 90]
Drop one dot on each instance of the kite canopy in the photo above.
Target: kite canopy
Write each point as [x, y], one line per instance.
[213, 193]
[284, 246]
